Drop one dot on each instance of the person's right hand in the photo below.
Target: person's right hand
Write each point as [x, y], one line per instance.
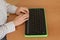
[21, 19]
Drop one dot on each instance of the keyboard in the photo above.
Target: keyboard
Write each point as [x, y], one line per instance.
[36, 25]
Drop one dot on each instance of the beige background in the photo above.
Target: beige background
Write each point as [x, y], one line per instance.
[52, 9]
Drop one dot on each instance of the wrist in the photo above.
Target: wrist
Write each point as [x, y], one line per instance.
[17, 10]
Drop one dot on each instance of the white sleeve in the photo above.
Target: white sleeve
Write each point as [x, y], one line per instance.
[6, 28]
[11, 8]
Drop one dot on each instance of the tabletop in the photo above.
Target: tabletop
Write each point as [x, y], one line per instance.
[52, 9]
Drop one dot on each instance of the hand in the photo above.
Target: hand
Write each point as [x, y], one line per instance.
[22, 10]
[21, 19]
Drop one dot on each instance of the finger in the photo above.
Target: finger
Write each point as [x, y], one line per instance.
[26, 10]
[22, 11]
[25, 20]
[25, 16]
[19, 16]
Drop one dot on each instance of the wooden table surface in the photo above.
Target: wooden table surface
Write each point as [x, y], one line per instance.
[52, 9]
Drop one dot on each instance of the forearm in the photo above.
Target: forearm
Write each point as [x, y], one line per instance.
[3, 31]
[11, 8]
[6, 28]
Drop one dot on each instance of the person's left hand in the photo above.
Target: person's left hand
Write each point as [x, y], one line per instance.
[22, 10]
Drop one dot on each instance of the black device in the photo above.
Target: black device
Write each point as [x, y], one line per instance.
[36, 25]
